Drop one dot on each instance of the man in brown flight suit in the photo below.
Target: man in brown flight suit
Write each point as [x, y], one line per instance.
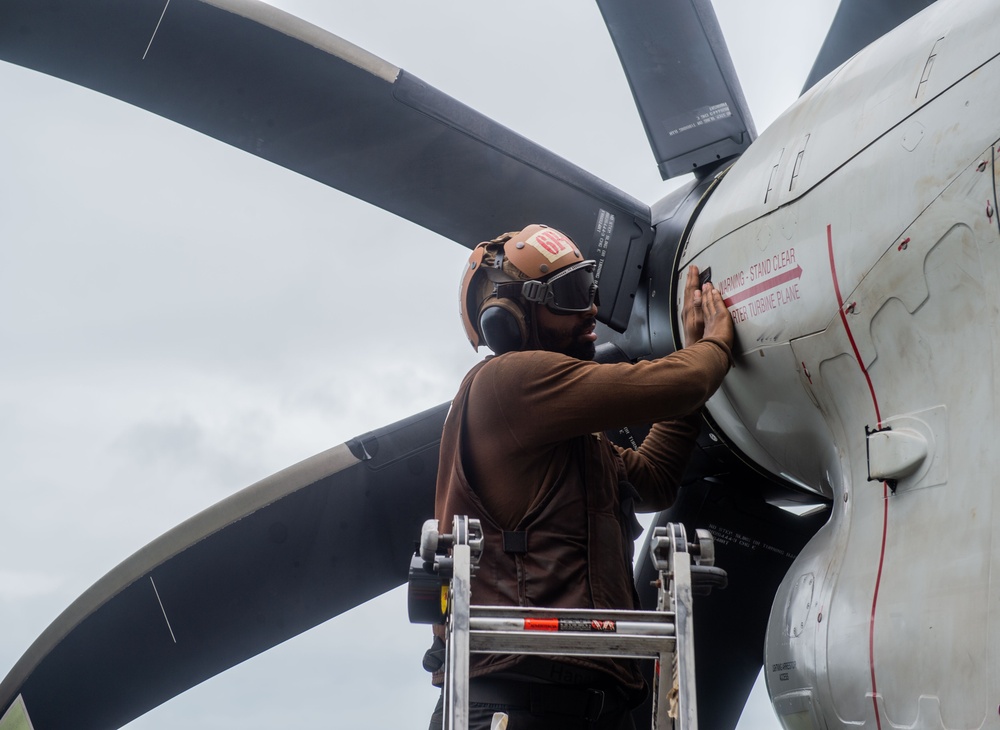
[523, 451]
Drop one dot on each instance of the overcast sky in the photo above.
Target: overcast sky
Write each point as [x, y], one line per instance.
[180, 319]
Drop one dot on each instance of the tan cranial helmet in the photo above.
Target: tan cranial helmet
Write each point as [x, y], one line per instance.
[537, 264]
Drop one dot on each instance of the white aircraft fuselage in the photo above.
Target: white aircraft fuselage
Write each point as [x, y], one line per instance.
[854, 244]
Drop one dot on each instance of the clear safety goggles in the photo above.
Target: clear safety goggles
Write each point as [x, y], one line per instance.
[569, 291]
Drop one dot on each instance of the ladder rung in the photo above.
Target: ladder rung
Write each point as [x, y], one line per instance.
[567, 643]
[587, 614]
[534, 625]
[570, 632]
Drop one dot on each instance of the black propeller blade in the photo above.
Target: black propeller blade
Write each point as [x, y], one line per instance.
[268, 83]
[856, 24]
[683, 81]
[254, 570]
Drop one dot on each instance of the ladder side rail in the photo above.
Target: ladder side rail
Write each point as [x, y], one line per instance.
[683, 596]
[662, 686]
[456, 698]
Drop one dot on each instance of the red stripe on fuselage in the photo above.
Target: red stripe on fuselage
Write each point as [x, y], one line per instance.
[885, 490]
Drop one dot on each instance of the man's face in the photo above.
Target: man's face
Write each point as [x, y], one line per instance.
[570, 334]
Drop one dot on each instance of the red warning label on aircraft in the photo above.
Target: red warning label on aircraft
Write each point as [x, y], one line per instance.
[766, 285]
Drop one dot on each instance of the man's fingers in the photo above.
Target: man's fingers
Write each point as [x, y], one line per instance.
[713, 300]
[707, 298]
[692, 290]
[717, 302]
[691, 285]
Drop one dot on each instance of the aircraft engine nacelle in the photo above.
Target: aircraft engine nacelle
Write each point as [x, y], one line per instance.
[855, 244]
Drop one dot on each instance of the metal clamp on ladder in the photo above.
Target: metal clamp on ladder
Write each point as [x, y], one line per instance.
[440, 593]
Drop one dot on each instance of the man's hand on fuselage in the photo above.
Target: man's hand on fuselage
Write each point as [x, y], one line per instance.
[704, 314]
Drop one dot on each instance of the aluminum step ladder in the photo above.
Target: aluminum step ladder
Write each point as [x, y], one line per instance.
[441, 572]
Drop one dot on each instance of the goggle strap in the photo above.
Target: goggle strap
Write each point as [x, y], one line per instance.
[506, 289]
[535, 291]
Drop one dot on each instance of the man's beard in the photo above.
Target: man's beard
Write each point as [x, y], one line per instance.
[579, 348]
[571, 345]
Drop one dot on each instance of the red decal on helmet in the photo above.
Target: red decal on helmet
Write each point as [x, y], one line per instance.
[550, 243]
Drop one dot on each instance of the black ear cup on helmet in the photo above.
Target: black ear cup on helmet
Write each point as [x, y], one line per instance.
[504, 326]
